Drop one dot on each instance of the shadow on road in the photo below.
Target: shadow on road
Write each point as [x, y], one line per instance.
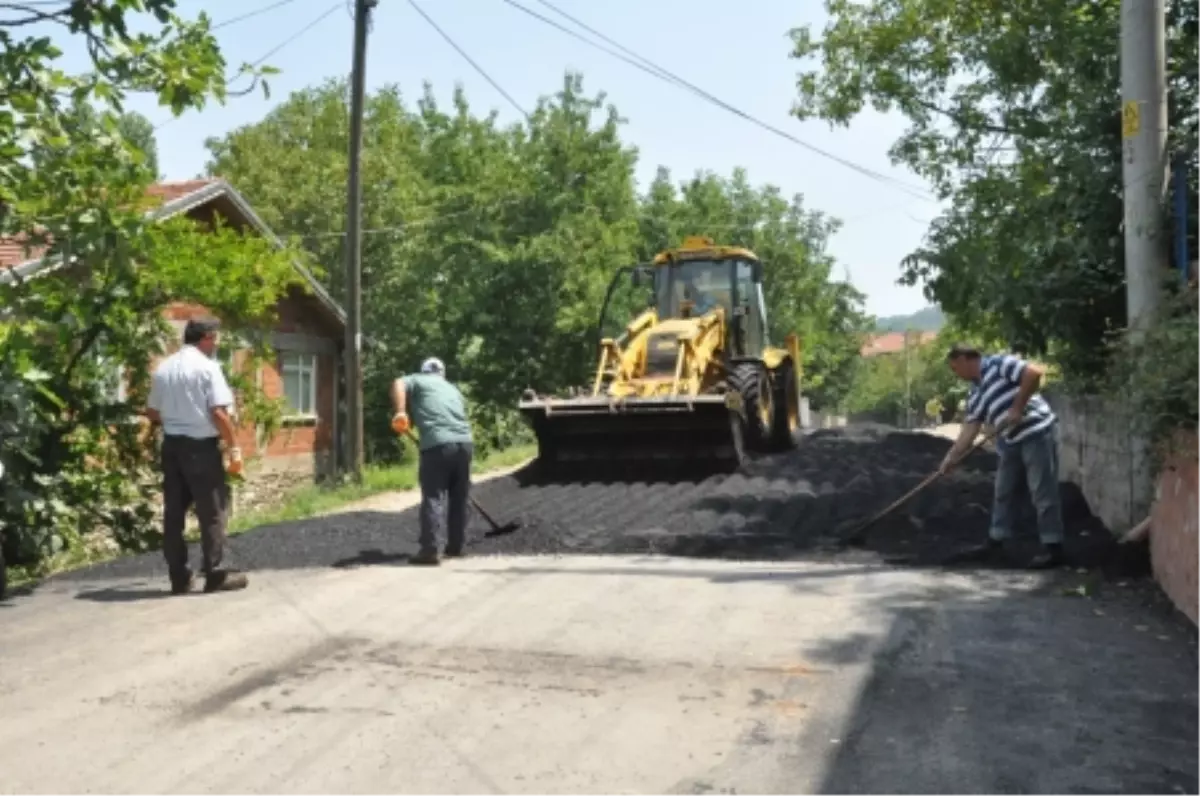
[371, 558]
[1015, 693]
[124, 595]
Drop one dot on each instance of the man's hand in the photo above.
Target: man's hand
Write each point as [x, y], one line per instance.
[948, 463]
[234, 467]
[400, 423]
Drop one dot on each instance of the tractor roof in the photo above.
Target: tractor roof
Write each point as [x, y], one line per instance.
[700, 248]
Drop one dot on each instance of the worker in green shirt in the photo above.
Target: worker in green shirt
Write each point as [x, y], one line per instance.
[439, 413]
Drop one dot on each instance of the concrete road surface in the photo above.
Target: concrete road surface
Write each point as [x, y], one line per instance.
[595, 675]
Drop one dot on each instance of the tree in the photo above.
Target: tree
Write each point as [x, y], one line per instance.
[1013, 112]
[139, 132]
[72, 187]
[492, 246]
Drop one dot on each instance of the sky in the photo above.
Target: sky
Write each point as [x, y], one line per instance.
[738, 52]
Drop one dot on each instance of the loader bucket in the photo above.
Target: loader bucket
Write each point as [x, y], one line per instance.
[698, 431]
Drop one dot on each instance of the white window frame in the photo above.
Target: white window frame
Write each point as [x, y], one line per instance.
[114, 371]
[299, 363]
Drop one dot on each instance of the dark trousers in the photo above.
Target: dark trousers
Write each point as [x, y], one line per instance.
[193, 476]
[445, 476]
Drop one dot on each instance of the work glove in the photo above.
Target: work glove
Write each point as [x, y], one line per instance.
[400, 423]
[234, 465]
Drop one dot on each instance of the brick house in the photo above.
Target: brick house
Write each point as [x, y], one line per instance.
[308, 339]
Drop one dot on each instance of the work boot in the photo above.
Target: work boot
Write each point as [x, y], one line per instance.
[225, 580]
[183, 582]
[1051, 558]
[454, 552]
[425, 558]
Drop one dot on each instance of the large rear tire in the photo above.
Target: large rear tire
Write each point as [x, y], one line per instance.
[785, 423]
[750, 380]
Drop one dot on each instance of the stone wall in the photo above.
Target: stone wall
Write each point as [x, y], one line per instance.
[1174, 550]
[1101, 452]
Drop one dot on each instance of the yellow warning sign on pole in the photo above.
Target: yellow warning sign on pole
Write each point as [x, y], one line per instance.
[1131, 119]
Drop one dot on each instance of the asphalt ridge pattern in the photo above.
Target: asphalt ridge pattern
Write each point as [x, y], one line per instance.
[787, 506]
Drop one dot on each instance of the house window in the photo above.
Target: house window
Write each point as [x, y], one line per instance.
[299, 383]
[112, 382]
[111, 375]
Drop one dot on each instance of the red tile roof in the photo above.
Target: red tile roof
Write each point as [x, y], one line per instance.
[12, 250]
[170, 191]
[892, 343]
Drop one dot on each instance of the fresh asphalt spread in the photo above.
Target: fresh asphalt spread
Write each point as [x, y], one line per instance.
[781, 507]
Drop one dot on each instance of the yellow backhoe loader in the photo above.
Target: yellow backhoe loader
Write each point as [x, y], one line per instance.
[691, 377]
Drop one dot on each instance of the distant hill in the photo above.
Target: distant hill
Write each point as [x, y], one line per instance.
[929, 319]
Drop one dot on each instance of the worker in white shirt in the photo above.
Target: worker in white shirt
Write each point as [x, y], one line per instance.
[191, 399]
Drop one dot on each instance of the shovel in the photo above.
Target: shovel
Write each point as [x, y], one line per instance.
[497, 528]
[857, 534]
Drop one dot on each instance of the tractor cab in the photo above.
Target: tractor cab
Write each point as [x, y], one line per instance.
[698, 278]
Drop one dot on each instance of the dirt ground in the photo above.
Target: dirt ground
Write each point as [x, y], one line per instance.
[695, 632]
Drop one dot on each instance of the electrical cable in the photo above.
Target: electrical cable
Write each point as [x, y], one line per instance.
[296, 35]
[289, 40]
[251, 14]
[483, 72]
[397, 228]
[648, 66]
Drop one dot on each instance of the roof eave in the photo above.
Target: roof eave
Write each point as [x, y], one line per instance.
[182, 204]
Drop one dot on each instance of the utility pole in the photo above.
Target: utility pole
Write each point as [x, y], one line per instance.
[354, 385]
[907, 380]
[1144, 156]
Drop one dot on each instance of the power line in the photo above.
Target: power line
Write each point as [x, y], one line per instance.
[398, 228]
[251, 14]
[648, 66]
[272, 51]
[219, 25]
[483, 73]
[296, 35]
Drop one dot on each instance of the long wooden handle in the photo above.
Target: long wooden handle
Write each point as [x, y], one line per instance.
[935, 475]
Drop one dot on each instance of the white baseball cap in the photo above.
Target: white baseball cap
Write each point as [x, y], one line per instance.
[433, 365]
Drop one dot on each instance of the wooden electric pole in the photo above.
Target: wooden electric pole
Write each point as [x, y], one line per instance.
[354, 385]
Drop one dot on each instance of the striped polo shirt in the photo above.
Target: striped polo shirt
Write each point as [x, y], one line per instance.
[992, 396]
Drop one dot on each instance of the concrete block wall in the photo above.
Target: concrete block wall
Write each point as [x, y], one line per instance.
[1102, 451]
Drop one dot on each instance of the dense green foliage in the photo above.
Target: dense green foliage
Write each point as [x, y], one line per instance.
[492, 246]
[1157, 374]
[902, 388]
[1014, 117]
[73, 173]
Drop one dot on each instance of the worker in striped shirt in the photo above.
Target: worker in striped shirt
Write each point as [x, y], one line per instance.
[1004, 395]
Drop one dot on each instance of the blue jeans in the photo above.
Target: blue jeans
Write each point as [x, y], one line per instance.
[1034, 460]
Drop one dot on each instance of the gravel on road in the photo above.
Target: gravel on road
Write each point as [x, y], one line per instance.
[787, 506]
